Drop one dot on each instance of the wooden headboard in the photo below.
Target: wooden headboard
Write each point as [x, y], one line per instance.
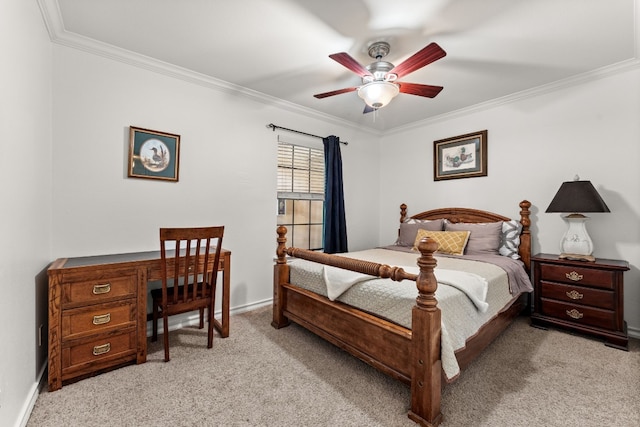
[477, 216]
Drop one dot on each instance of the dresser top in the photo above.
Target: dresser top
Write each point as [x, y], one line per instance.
[613, 264]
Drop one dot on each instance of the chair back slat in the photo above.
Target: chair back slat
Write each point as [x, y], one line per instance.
[194, 261]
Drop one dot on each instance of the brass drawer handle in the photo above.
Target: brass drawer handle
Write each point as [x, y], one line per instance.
[102, 289]
[102, 349]
[102, 319]
[575, 294]
[574, 314]
[574, 276]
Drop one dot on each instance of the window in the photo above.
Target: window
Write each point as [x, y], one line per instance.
[301, 194]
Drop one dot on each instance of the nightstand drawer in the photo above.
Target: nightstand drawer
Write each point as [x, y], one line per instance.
[578, 295]
[577, 275]
[579, 314]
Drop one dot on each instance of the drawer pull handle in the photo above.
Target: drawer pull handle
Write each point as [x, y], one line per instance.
[575, 294]
[574, 314]
[574, 276]
[102, 319]
[102, 349]
[102, 289]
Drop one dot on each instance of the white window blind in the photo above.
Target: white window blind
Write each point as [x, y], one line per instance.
[300, 172]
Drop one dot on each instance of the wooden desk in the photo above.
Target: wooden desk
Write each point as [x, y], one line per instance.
[98, 311]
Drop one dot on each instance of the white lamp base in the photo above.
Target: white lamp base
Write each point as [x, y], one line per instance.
[576, 243]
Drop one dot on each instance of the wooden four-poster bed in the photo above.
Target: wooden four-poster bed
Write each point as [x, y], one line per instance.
[410, 353]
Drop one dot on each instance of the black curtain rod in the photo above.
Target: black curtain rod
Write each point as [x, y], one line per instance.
[274, 127]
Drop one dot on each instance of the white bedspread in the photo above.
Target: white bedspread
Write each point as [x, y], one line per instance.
[338, 280]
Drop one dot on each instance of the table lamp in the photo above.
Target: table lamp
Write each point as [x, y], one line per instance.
[574, 197]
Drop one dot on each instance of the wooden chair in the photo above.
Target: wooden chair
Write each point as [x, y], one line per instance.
[192, 284]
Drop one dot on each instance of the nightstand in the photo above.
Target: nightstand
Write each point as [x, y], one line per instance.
[582, 296]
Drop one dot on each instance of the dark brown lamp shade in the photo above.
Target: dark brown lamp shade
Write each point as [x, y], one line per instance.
[577, 196]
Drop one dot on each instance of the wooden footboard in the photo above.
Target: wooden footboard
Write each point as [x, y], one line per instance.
[410, 355]
[394, 350]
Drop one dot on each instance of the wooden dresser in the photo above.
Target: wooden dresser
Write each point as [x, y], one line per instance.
[586, 297]
[98, 312]
[97, 319]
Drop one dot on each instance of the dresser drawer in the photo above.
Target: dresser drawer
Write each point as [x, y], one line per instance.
[97, 318]
[97, 291]
[577, 275]
[99, 353]
[579, 314]
[578, 295]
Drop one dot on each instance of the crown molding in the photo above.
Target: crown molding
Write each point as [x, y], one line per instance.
[607, 71]
[59, 35]
[589, 76]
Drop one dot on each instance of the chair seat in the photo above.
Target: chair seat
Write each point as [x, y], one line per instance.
[156, 294]
[182, 305]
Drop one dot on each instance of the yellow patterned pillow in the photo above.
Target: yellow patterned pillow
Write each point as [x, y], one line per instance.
[449, 242]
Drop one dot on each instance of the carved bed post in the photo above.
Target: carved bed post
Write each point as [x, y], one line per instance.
[403, 213]
[280, 277]
[525, 237]
[426, 366]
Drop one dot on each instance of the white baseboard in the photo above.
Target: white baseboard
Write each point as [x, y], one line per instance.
[189, 319]
[32, 396]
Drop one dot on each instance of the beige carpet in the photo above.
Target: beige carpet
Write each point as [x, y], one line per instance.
[260, 376]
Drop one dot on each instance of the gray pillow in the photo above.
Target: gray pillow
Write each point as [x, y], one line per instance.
[409, 230]
[485, 238]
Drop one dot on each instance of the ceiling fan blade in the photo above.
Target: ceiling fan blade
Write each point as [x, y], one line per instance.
[336, 92]
[420, 90]
[425, 56]
[347, 60]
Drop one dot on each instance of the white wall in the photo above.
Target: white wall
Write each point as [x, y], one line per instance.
[25, 191]
[227, 167]
[534, 144]
[65, 192]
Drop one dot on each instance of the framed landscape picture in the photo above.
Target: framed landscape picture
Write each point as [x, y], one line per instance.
[153, 154]
[463, 156]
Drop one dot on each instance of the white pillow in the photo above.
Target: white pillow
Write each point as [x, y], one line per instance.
[510, 239]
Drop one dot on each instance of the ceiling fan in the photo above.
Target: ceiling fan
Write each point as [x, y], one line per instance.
[379, 79]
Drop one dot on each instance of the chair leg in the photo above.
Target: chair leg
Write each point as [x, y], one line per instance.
[210, 313]
[165, 321]
[154, 337]
[201, 317]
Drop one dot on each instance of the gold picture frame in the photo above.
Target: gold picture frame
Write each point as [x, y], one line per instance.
[153, 154]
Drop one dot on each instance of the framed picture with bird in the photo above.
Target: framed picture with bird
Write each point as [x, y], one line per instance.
[153, 154]
[463, 156]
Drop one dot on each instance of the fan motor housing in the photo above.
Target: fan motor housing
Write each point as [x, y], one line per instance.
[379, 69]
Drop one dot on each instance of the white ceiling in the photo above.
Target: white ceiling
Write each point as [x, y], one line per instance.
[277, 50]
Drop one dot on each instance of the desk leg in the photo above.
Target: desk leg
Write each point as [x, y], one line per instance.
[223, 327]
[141, 351]
[55, 332]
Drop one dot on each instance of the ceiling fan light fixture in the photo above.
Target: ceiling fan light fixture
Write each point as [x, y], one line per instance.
[378, 94]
